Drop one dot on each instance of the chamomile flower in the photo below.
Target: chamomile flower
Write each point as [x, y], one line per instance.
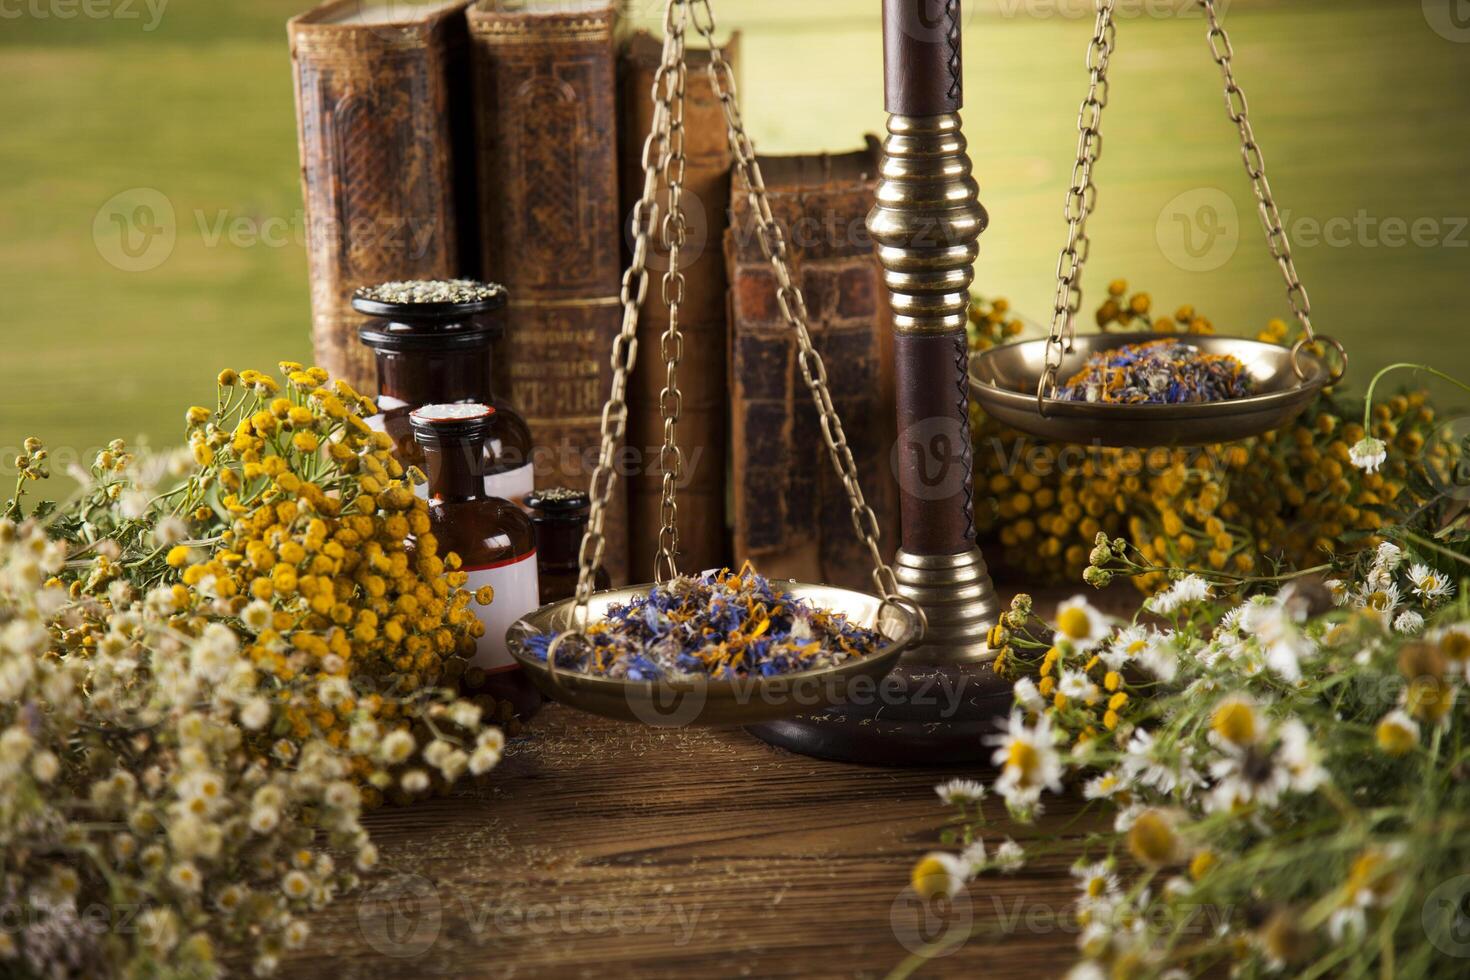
[1160, 657]
[1075, 686]
[1388, 556]
[185, 877]
[1236, 722]
[974, 856]
[1409, 622]
[938, 874]
[1129, 643]
[1187, 591]
[1397, 733]
[1300, 756]
[1368, 454]
[1080, 625]
[1103, 787]
[1028, 760]
[1028, 696]
[961, 791]
[1278, 636]
[1097, 882]
[1383, 599]
[1009, 857]
[1430, 585]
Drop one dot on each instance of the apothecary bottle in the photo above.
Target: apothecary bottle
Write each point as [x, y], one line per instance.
[441, 353]
[560, 517]
[492, 536]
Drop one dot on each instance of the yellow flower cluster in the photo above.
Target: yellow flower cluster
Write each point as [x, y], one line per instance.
[323, 553]
[1289, 496]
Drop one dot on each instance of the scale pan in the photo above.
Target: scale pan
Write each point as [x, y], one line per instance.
[1004, 380]
[704, 701]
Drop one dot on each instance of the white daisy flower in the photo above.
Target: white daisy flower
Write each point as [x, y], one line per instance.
[961, 791]
[1128, 644]
[1301, 757]
[1368, 454]
[1097, 882]
[1028, 695]
[1080, 625]
[1383, 600]
[973, 856]
[1246, 775]
[1388, 556]
[1397, 733]
[1408, 622]
[1009, 857]
[1160, 658]
[1428, 584]
[1028, 758]
[1280, 640]
[1075, 686]
[1340, 590]
[1189, 590]
[1103, 787]
[940, 874]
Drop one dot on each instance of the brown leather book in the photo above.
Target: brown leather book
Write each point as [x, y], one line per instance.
[380, 108]
[790, 510]
[546, 108]
[703, 536]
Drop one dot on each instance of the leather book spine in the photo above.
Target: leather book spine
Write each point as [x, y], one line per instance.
[376, 115]
[546, 110]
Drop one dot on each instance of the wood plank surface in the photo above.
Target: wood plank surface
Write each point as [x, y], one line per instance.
[599, 848]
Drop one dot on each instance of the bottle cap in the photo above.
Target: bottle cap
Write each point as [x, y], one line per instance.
[460, 420]
[558, 503]
[430, 299]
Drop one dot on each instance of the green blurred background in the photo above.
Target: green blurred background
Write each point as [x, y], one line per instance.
[186, 105]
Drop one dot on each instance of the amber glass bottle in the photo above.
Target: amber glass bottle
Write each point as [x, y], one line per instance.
[493, 537]
[440, 353]
[560, 516]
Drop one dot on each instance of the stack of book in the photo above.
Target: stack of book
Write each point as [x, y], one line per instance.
[502, 140]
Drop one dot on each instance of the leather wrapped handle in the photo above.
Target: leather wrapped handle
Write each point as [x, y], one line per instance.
[922, 57]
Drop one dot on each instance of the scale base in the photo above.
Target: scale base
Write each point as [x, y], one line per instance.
[936, 707]
[920, 715]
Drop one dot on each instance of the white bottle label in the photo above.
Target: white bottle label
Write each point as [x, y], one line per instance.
[517, 592]
[512, 485]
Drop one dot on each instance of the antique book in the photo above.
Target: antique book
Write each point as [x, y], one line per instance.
[791, 514]
[703, 535]
[385, 132]
[546, 110]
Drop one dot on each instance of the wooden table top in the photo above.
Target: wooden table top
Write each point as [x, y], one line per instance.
[603, 848]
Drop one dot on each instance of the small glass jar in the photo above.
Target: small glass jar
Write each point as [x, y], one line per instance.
[492, 536]
[560, 517]
[440, 353]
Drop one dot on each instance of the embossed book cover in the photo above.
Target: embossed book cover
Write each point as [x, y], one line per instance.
[381, 105]
[546, 93]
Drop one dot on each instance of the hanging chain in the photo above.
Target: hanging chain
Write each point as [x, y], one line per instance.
[664, 160]
[1081, 201]
[1255, 166]
[674, 234]
[625, 347]
[793, 306]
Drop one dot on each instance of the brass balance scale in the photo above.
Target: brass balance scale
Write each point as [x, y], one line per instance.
[927, 694]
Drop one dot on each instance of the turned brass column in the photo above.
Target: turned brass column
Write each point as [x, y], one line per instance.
[943, 698]
[927, 225]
